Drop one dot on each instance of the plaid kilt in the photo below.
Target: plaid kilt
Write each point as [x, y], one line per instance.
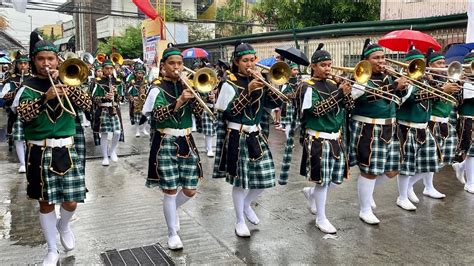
[418, 156]
[384, 155]
[80, 142]
[18, 133]
[109, 123]
[46, 185]
[446, 144]
[326, 165]
[256, 171]
[288, 117]
[174, 162]
[208, 126]
[136, 118]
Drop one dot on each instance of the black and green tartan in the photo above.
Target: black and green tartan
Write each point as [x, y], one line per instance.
[80, 141]
[167, 168]
[208, 126]
[18, 133]
[371, 151]
[136, 118]
[446, 139]
[109, 123]
[289, 112]
[326, 165]
[54, 188]
[418, 155]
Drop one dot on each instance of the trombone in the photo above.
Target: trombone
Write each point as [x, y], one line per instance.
[72, 72]
[416, 69]
[204, 80]
[362, 73]
[278, 74]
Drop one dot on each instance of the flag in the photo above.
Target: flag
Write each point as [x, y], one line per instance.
[20, 5]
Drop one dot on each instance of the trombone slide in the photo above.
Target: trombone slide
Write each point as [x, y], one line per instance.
[198, 98]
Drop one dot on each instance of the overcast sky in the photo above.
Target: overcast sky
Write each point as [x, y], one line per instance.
[20, 22]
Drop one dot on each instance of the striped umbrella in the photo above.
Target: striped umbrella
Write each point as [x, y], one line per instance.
[194, 53]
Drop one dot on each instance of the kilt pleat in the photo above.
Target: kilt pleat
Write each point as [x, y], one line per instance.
[419, 157]
[18, 132]
[208, 126]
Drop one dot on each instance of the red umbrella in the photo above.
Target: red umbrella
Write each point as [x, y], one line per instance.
[401, 40]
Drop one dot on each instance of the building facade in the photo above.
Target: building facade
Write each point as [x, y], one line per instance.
[404, 9]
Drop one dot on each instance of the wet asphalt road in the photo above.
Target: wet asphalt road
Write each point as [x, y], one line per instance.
[120, 213]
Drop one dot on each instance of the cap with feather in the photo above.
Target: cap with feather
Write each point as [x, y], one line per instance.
[320, 55]
[369, 48]
[413, 53]
[469, 57]
[432, 56]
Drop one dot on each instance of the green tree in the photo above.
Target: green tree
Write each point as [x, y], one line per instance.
[129, 45]
[233, 12]
[286, 14]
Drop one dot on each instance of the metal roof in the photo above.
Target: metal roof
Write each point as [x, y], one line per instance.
[7, 42]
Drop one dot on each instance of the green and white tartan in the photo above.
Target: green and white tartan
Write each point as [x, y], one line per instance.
[447, 146]
[385, 157]
[69, 187]
[80, 142]
[253, 174]
[18, 133]
[208, 126]
[288, 118]
[419, 158]
[332, 169]
[109, 123]
[136, 118]
[175, 171]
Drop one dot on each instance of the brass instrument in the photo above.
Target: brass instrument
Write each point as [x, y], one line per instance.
[101, 57]
[88, 58]
[139, 101]
[278, 74]
[72, 72]
[362, 73]
[116, 58]
[469, 66]
[415, 70]
[454, 71]
[112, 110]
[204, 80]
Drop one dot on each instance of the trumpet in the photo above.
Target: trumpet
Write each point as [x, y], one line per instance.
[362, 73]
[278, 74]
[204, 80]
[415, 70]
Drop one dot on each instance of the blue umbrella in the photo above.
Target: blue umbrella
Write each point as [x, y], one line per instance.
[457, 52]
[5, 60]
[268, 61]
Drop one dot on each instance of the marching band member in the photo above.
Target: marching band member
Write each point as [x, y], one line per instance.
[242, 153]
[466, 114]
[107, 94]
[323, 110]
[208, 125]
[137, 92]
[15, 126]
[53, 172]
[418, 146]
[288, 109]
[373, 147]
[439, 126]
[174, 159]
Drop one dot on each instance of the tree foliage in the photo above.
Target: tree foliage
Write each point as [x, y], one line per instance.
[286, 14]
[129, 45]
[232, 11]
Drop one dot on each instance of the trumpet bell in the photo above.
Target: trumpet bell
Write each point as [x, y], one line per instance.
[454, 70]
[116, 58]
[100, 57]
[279, 73]
[73, 72]
[204, 80]
[415, 69]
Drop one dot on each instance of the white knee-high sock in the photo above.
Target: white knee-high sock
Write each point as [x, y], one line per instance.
[238, 196]
[469, 166]
[413, 179]
[181, 198]
[169, 209]
[381, 179]
[428, 181]
[403, 181]
[20, 151]
[104, 144]
[251, 196]
[137, 128]
[208, 140]
[48, 225]
[320, 195]
[65, 218]
[365, 188]
[287, 131]
[115, 141]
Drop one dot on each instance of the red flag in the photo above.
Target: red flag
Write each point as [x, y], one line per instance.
[146, 7]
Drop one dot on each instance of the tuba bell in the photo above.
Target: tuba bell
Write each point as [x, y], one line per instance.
[88, 58]
[116, 58]
[73, 72]
[101, 57]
